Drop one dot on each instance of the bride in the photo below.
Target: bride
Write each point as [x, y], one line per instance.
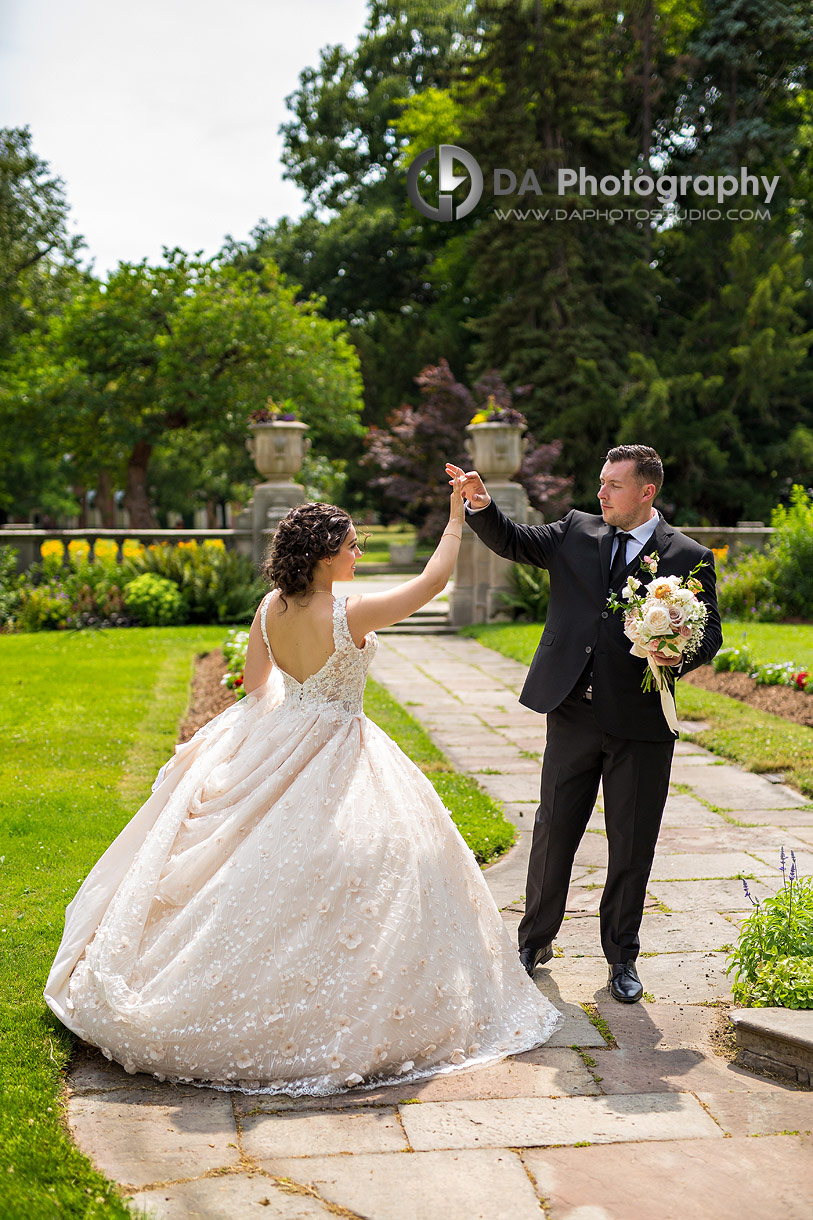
[293, 910]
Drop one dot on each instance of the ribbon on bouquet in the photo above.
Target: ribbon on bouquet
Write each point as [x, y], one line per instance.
[664, 687]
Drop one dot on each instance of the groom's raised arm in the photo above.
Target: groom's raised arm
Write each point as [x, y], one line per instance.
[534, 544]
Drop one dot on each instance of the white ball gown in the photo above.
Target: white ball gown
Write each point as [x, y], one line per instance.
[293, 910]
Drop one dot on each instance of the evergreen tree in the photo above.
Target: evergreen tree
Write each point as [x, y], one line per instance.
[563, 300]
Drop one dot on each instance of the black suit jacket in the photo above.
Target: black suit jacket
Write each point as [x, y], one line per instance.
[580, 627]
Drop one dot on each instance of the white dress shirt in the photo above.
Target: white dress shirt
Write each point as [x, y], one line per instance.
[638, 538]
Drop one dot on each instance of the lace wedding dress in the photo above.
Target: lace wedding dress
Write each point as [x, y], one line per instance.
[293, 910]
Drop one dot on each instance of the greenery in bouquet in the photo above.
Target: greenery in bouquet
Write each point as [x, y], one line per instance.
[772, 962]
[662, 616]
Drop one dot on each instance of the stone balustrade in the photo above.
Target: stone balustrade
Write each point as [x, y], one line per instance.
[28, 540]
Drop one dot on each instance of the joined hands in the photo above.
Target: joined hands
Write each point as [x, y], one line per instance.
[471, 485]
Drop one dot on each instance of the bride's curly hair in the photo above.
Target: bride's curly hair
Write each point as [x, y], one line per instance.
[305, 535]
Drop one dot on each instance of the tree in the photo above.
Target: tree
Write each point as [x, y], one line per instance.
[184, 345]
[362, 245]
[730, 402]
[39, 268]
[407, 457]
[38, 256]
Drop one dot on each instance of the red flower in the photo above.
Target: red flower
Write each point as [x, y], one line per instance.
[238, 681]
[801, 679]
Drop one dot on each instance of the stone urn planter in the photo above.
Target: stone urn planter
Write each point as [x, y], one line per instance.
[278, 448]
[495, 449]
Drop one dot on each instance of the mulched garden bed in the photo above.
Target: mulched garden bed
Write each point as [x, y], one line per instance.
[208, 696]
[780, 700]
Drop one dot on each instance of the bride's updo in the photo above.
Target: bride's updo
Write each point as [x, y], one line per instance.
[305, 535]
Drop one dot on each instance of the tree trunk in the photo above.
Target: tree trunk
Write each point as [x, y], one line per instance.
[81, 495]
[105, 503]
[136, 500]
[211, 514]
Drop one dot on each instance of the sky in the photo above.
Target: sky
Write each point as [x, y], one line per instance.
[161, 116]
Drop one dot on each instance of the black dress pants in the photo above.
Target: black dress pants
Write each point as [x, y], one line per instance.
[635, 777]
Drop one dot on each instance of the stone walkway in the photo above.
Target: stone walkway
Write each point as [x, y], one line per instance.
[628, 1113]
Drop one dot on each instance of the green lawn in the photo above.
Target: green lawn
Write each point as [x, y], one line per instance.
[86, 720]
[758, 741]
[379, 538]
[773, 641]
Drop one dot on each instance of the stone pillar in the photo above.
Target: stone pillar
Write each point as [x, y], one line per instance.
[480, 575]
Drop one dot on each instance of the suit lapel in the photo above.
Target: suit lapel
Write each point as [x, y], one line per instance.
[605, 546]
[661, 539]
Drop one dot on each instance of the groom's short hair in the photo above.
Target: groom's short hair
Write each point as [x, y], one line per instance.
[648, 466]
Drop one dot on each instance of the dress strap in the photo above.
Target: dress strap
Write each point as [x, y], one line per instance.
[263, 612]
[341, 632]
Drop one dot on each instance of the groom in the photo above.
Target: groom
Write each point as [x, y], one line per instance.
[600, 725]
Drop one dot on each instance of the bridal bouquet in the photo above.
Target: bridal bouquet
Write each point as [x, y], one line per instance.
[662, 616]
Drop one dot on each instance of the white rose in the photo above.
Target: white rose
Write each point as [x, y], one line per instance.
[682, 597]
[632, 628]
[630, 587]
[656, 620]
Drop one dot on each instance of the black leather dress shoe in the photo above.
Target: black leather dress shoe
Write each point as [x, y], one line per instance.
[624, 984]
[531, 958]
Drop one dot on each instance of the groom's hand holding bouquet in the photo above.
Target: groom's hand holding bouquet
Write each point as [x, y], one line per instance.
[665, 623]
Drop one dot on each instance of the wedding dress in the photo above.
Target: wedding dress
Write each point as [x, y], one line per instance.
[293, 910]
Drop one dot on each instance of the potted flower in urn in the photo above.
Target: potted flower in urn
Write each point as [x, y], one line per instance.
[495, 440]
[277, 443]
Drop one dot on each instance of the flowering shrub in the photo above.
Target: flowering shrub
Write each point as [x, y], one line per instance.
[10, 586]
[47, 607]
[734, 660]
[217, 586]
[234, 650]
[773, 673]
[773, 584]
[772, 961]
[766, 673]
[53, 596]
[154, 600]
[748, 589]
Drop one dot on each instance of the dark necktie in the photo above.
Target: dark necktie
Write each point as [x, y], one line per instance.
[620, 558]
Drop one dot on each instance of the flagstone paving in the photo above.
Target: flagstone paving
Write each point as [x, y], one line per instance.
[653, 1122]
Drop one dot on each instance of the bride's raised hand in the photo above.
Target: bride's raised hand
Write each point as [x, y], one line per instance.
[457, 507]
[473, 487]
